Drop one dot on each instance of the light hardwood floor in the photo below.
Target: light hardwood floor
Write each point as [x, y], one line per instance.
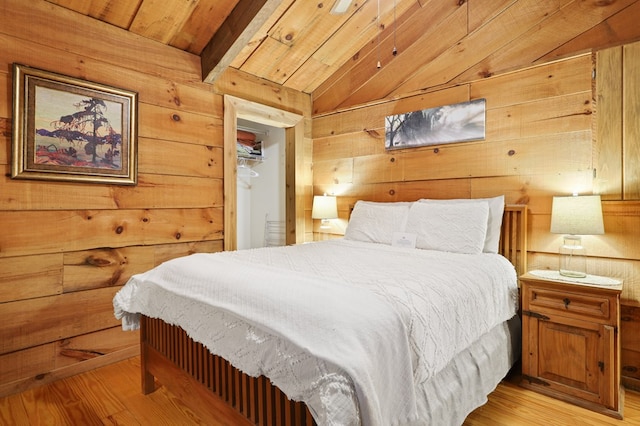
[111, 396]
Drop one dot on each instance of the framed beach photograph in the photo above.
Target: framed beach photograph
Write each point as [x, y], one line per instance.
[69, 129]
[460, 122]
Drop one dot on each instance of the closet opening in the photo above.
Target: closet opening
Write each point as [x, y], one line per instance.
[261, 184]
[239, 113]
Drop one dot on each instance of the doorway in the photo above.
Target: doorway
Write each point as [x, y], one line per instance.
[261, 185]
[293, 125]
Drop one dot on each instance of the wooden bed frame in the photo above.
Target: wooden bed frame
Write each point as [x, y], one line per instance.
[216, 391]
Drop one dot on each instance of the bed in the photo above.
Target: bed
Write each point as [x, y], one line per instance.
[410, 319]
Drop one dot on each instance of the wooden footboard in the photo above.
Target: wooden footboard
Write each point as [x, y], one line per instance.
[220, 394]
[210, 386]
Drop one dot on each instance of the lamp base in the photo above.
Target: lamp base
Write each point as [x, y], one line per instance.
[325, 224]
[573, 261]
[572, 274]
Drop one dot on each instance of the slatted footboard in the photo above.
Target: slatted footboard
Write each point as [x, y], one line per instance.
[209, 385]
[220, 394]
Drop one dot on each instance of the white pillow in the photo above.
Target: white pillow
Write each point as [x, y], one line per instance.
[376, 222]
[457, 228]
[496, 210]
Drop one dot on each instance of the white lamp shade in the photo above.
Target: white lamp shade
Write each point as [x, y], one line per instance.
[577, 215]
[324, 207]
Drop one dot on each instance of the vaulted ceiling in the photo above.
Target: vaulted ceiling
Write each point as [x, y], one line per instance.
[301, 45]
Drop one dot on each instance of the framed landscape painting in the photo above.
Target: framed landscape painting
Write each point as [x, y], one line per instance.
[69, 129]
[461, 122]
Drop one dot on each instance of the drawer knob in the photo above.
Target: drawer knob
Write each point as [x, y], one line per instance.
[566, 301]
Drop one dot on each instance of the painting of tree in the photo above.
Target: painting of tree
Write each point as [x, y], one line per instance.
[433, 126]
[84, 136]
[69, 129]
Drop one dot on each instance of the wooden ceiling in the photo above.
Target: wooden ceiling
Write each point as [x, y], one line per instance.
[299, 44]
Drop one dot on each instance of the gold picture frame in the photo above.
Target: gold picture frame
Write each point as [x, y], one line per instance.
[73, 130]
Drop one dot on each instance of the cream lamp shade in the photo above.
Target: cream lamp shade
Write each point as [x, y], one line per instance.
[575, 216]
[325, 207]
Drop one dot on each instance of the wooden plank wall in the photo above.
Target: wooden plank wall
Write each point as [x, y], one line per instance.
[539, 143]
[616, 147]
[66, 248]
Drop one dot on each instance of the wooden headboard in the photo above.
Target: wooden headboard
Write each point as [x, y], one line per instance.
[513, 236]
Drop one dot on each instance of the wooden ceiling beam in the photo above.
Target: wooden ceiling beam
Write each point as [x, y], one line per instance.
[246, 18]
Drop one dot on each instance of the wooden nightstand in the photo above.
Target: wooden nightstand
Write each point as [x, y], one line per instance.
[570, 339]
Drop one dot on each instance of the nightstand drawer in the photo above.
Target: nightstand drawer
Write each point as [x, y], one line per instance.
[586, 306]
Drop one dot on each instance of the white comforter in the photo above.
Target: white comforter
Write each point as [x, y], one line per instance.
[323, 319]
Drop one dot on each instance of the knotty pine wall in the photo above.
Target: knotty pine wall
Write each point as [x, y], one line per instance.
[539, 143]
[66, 248]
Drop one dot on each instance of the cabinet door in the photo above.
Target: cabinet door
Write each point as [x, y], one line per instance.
[568, 356]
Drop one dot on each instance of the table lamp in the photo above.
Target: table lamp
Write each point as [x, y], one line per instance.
[575, 216]
[325, 207]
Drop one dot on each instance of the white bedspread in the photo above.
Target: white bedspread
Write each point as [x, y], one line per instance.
[318, 319]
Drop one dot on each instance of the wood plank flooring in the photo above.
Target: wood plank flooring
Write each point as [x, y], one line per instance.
[111, 396]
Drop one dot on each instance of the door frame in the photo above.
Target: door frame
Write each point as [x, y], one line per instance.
[293, 124]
